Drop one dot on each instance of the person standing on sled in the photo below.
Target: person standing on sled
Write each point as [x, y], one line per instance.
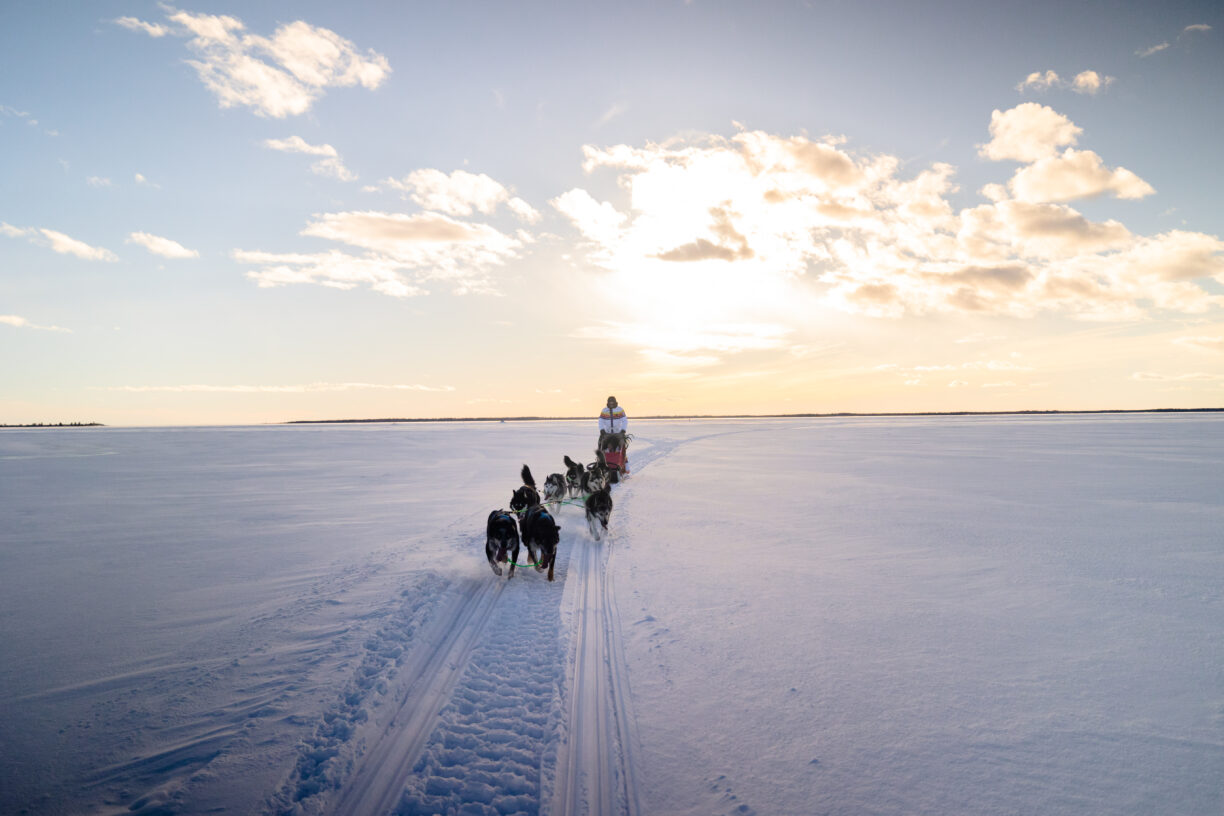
[612, 420]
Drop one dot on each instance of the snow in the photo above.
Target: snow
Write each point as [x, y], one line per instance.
[1014, 614]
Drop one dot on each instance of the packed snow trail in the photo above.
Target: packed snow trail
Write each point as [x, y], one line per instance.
[595, 765]
[425, 685]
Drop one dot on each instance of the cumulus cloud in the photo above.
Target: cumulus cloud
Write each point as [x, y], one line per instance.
[1085, 82]
[58, 242]
[1027, 133]
[461, 193]
[1075, 174]
[401, 254]
[277, 76]
[329, 164]
[1090, 82]
[735, 229]
[18, 322]
[161, 246]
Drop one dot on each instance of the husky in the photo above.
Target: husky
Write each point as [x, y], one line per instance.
[526, 497]
[575, 477]
[554, 488]
[540, 536]
[598, 509]
[501, 541]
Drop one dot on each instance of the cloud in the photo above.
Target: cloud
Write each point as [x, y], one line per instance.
[1147, 52]
[1085, 82]
[134, 24]
[461, 193]
[749, 228]
[616, 110]
[311, 388]
[19, 322]
[1027, 133]
[1209, 343]
[58, 242]
[1197, 27]
[329, 165]
[1075, 174]
[402, 253]
[161, 246]
[98, 181]
[277, 76]
[1090, 82]
[1197, 376]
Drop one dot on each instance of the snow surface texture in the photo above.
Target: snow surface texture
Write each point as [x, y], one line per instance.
[876, 616]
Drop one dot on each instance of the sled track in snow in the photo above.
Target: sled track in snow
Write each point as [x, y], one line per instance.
[425, 685]
[596, 762]
[475, 721]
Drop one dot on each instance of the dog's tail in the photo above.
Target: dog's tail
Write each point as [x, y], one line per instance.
[527, 480]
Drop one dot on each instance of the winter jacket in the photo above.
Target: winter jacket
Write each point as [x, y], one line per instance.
[613, 419]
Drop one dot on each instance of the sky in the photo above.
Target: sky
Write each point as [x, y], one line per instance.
[230, 213]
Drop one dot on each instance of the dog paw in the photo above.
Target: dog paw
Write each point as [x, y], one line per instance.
[496, 569]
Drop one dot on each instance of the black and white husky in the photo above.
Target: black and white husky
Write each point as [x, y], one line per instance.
[541, 535]
[554, 488]
[598, 509]
[575, 477]
[501, 541]
[525, 497]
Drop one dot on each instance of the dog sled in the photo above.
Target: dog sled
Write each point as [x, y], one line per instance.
[613, 451]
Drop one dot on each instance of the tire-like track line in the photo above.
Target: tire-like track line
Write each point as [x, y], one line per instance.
[595, 763]
[425, 686]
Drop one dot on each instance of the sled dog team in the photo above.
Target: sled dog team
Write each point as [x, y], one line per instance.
[529, 521]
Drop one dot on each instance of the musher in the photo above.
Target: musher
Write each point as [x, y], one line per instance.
[612, 420]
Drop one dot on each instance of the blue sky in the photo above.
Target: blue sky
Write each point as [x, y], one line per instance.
[228, 213]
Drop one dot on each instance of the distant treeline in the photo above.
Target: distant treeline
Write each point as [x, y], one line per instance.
[56, 425]
[762, 416]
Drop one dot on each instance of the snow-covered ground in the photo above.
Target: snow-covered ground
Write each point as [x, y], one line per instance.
[937, 615]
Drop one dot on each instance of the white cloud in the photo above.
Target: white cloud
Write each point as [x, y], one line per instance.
[1196, 376]
[58, 242]
[19, 322]
[134, 24]
[1039, 80]
[296, 144]
[1027, 133]
[330, 165]
[402, 253]
[613, 112]
[98, 181]
[1147, 52]
[276, 76]
[747, 228]
[1202, 343]
[1090, 82]
[461, 193]
[1075, 174]
[1203, 27]
[1085, 82]
[310, 388]
[161, 246]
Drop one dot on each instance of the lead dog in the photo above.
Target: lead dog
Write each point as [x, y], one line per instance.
[501, 541]
[526, 496]
[540, 536]
[598, 509]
